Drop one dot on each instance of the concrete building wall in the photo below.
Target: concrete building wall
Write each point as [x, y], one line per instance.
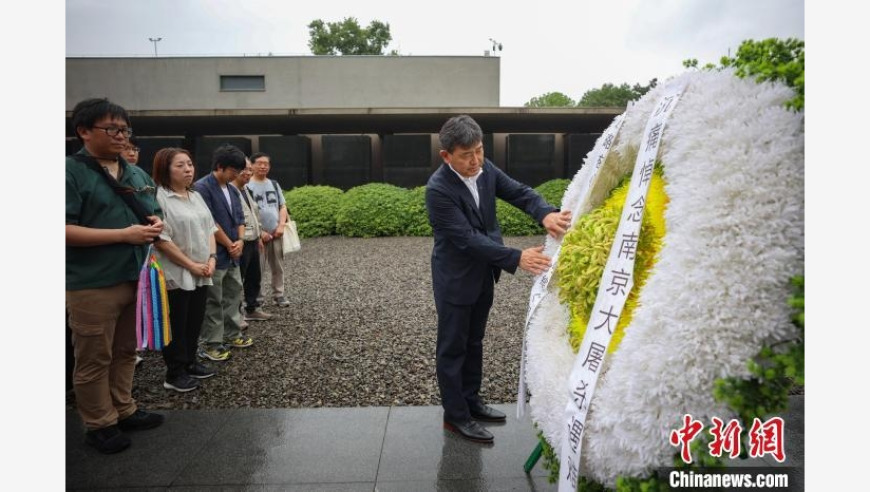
[179, 84]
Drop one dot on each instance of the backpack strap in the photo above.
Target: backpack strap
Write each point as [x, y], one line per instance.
[277, 192]
[125, 192]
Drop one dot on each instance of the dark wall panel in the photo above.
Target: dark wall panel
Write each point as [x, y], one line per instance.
[203, 147]
[347, 161]
[489, 150]
[531, 158]
[577, 145]
[290, 157]
[407, 159]
[148, 148]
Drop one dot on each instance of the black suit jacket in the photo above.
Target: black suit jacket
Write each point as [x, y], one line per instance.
[468, 245]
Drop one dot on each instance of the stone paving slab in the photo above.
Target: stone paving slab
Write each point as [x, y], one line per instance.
[386, 449]
[292, 446]
[417, 448]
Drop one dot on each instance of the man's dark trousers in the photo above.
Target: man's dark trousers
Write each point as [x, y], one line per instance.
[459, 352]
[250, 270]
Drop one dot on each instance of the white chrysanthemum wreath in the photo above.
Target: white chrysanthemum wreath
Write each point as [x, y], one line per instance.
[731, 166]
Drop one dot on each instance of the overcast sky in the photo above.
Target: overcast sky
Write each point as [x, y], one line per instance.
[565, 46]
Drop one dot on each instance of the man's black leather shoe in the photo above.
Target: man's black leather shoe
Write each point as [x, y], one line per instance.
[140, 420]
[485, 413]
[108, 440]
[469, 430]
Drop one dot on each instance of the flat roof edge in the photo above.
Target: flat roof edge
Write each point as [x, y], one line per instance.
[508, 110]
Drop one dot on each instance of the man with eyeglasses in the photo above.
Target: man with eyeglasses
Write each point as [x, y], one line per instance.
[104, 253]
[273, 210]
[254, 237]
[131, 150]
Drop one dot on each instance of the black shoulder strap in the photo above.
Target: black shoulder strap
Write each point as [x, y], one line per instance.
[244, 193]
[275, 185]
[126, 193]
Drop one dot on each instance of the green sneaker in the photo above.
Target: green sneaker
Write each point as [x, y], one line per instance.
[241, 342]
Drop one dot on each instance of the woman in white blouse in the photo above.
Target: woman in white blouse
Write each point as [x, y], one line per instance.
[186, 251]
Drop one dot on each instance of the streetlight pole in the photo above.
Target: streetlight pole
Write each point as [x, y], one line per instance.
[154, 40]
[496, 46]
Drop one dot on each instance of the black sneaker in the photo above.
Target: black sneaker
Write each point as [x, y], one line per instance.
[200, 371]
[141, 420]
[181, 383]
[107, 440]
[282, 301]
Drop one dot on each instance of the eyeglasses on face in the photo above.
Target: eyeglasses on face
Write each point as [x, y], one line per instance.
[113, 131]
[131, 149]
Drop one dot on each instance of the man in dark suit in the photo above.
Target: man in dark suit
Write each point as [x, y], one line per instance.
[467, 259]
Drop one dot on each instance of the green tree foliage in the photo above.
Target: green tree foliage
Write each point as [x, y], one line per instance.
[313, 208]
[550, 100]
[614, 96]
[770, 59]
[643, 89]
[348, 38]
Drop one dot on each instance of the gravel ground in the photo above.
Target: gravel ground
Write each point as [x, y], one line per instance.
[360, 331]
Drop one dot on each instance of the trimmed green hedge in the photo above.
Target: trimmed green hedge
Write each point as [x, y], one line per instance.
[313, 208]
[553, 190]
[515, 222]
[417, 217]
[373, 209]
[381, 209]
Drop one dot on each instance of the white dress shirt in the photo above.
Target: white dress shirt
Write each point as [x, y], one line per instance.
[470, 183]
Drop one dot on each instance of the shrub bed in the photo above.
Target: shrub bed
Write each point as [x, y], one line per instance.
[313, 208]
[515, 222]
[381, 209]
[417, 216]
[373, 209]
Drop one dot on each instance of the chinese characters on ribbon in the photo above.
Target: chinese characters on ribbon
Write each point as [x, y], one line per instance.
[613, 290]
[539, 288]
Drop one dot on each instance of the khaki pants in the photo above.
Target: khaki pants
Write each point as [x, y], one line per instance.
[103, 324]
[222, 315]
[273, 256]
